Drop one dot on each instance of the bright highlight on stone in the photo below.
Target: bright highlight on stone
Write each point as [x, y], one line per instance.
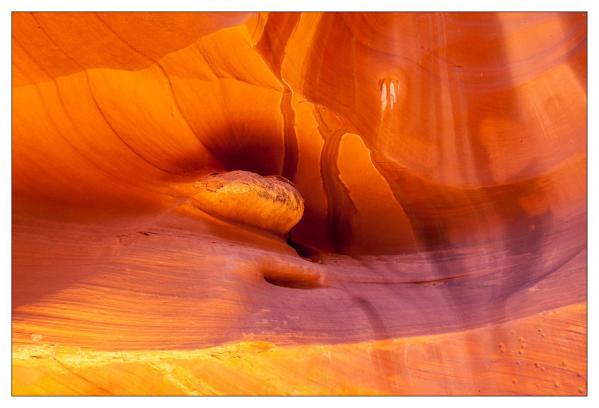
[270, 203]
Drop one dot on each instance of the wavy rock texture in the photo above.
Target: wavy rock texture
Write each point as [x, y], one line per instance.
[442, 163]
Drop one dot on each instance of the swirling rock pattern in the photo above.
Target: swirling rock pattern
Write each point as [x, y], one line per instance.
[440, 157]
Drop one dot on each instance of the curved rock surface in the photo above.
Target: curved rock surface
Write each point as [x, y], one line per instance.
[441, 159]
[270, 203]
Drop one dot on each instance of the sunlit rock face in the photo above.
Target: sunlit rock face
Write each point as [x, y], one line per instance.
[299, 203]
[269, 203]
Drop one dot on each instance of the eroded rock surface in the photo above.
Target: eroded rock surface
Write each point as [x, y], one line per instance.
[270, 203]
[441, 160]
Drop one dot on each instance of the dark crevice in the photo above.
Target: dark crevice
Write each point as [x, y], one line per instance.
[277, 32]
[292, 283]
[307, 252]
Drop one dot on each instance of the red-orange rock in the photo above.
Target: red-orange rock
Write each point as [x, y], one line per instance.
[441, 159]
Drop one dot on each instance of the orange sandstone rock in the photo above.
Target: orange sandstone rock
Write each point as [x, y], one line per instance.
[270, 203]
[438, 159]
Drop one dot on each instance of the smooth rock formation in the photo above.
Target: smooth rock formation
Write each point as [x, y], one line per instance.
[439, 160]
[270, 203]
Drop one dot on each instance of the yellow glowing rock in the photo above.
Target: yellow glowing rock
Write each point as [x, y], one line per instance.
[271, 203]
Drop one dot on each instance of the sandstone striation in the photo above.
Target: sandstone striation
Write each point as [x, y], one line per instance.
[299, 203]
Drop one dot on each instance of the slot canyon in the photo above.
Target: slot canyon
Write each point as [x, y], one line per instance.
[299, 203]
